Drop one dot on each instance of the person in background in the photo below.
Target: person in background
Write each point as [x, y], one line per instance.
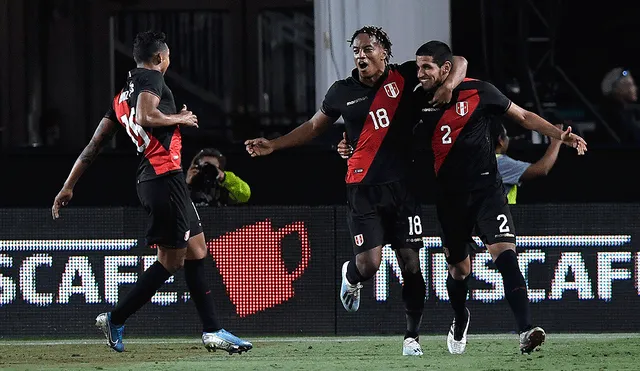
[619, 108]
[515, 172]
[211, 185]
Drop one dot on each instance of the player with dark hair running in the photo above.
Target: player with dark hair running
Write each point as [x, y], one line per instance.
[469, 188]
[146, 109]
[375, 103]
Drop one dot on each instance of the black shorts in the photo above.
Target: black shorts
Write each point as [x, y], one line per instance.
[458, 213]
[173, 218]
[383, 214]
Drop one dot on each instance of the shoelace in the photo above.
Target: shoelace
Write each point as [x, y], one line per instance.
[354, 290]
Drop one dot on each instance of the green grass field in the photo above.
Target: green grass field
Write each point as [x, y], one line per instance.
[484, 352]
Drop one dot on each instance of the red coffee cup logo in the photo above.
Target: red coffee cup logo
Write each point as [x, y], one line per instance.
[253, 271]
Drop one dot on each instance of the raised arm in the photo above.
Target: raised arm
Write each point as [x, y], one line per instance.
[298, 136]
[103, 133]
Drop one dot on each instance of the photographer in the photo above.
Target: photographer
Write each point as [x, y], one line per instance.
[211, 185]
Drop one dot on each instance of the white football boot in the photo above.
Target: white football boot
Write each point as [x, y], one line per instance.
[457, 344]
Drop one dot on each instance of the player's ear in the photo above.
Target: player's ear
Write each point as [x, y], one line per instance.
[446, 67]
[157, 59]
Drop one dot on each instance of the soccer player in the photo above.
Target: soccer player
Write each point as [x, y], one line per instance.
[469, 189]
[375, 103]
[146, 109]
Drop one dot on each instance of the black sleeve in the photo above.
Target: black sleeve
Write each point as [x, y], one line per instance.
[331, 102]
[111, 114]
[151, 82]
[409, 71]
[493, 99]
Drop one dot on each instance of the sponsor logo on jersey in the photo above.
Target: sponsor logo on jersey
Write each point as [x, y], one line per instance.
[361, 99]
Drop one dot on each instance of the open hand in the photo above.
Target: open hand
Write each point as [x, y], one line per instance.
[258, 147]
[574, 141]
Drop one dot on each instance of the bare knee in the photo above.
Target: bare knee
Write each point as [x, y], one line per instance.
[171, 259]
[460, 271]
[498, 248]
[409, 261]
[368, 262]
[411, 267]
[196, 247]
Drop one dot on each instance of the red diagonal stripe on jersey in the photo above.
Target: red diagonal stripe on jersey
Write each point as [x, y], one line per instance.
[370, 139]
[164, 160]
[450, 125]
[122, 109]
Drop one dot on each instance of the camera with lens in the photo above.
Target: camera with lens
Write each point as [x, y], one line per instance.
[205, 187]
[207, 177]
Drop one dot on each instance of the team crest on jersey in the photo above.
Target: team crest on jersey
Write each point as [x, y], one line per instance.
[392, 90]
[359, 239]
[462, 108]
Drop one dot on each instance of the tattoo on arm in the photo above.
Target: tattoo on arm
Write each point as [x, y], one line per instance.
[103, 133]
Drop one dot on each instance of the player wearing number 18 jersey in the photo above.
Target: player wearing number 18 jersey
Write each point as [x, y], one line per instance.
[146, 109]
[470, 191]
[375, 103]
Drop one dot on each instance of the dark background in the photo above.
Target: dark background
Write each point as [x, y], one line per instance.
[58, 51]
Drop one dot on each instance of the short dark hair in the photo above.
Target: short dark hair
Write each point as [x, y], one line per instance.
[380, 35]
[498, 131]
[439, 51]
[147, 44]
[211, 152]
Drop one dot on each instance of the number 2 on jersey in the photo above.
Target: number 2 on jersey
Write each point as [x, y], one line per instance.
[135, 131]
[446, 139]
[380, 118]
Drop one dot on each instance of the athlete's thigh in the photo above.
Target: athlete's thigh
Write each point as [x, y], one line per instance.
[363, 218]
[494, 222]
[455, 221]
[402, 218]
[164, 218]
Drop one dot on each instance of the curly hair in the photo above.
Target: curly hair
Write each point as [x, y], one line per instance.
[147, 44]
[381, 37]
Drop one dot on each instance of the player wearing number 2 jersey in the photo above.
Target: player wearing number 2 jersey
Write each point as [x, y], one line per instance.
[375, 103]
[146, 109]
[469, 189]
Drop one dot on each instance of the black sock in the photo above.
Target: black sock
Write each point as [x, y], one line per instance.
[458, 291]
[413, 295]
[201, 295]
[515, 288]
[458, 297]
[353, 275]
[148, 283]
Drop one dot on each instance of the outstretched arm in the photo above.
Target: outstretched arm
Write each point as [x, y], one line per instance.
[103, 133]
[531, 121]
[298, 136]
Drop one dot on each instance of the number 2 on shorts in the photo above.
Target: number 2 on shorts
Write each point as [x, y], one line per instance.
[503, 223]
